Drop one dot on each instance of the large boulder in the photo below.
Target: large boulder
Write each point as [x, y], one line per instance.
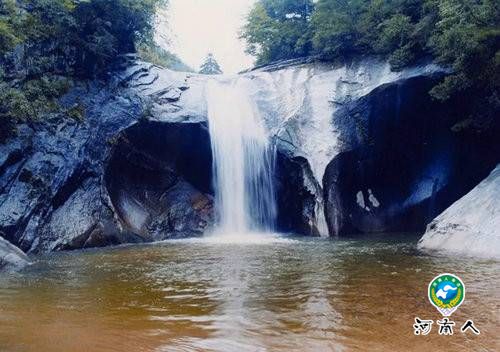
[471, 225]
[11, 257]
[298, 204]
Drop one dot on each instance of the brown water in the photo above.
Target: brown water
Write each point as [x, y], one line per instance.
[305, 295]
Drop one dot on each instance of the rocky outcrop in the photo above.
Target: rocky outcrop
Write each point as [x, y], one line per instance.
[11, 257]
[54, 176]
[471, 225]
[369, 149]
[297, 201]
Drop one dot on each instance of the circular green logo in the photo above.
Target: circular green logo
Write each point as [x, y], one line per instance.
[446, 293]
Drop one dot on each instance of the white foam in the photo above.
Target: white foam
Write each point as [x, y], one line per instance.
[249, 238]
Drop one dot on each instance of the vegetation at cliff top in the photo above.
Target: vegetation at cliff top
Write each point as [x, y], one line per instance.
[46, 44]
[461, 34]
[155, 54]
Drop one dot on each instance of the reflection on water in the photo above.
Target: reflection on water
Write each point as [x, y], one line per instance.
[303, 295]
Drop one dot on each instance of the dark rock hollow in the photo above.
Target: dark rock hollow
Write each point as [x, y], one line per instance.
[403, 164]
[159, 179]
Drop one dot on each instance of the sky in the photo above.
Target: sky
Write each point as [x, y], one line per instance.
[196, 27]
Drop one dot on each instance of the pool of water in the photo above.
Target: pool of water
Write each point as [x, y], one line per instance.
[281, 295]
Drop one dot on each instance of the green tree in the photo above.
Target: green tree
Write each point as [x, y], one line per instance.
[210, 66]
[467, 37]
[336, 32]
[278, 29]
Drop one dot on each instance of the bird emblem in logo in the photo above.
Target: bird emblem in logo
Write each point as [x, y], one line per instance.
[446, 293]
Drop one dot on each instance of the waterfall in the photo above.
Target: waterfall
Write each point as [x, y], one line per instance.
[243, 160]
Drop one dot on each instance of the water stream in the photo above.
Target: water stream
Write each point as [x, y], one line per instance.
[243, 164]
[243, 288]
[306, 295]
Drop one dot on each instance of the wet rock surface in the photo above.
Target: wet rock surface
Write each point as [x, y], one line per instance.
[297, 199]
[310, 109]
[159, 180]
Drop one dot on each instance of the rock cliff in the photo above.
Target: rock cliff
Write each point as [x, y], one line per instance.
[359, 149]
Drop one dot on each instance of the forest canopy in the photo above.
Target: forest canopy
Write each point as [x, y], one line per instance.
[87, 34]
[461, 34]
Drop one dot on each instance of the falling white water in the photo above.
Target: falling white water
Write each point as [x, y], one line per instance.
[243, 163]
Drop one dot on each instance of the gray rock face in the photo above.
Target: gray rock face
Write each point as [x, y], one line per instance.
[300, 101]
[53, 193]
[159, 179]
[11, 257]
[297, 190]
[377, 153]
[331, 120]
[471, 226]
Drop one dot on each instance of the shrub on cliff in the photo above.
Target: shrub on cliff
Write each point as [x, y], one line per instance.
[157, 55]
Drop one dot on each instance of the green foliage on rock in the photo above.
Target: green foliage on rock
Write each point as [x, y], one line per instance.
[28, 99]
[46, 44]
[278, 30]
[10, 19]
[461, 34]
